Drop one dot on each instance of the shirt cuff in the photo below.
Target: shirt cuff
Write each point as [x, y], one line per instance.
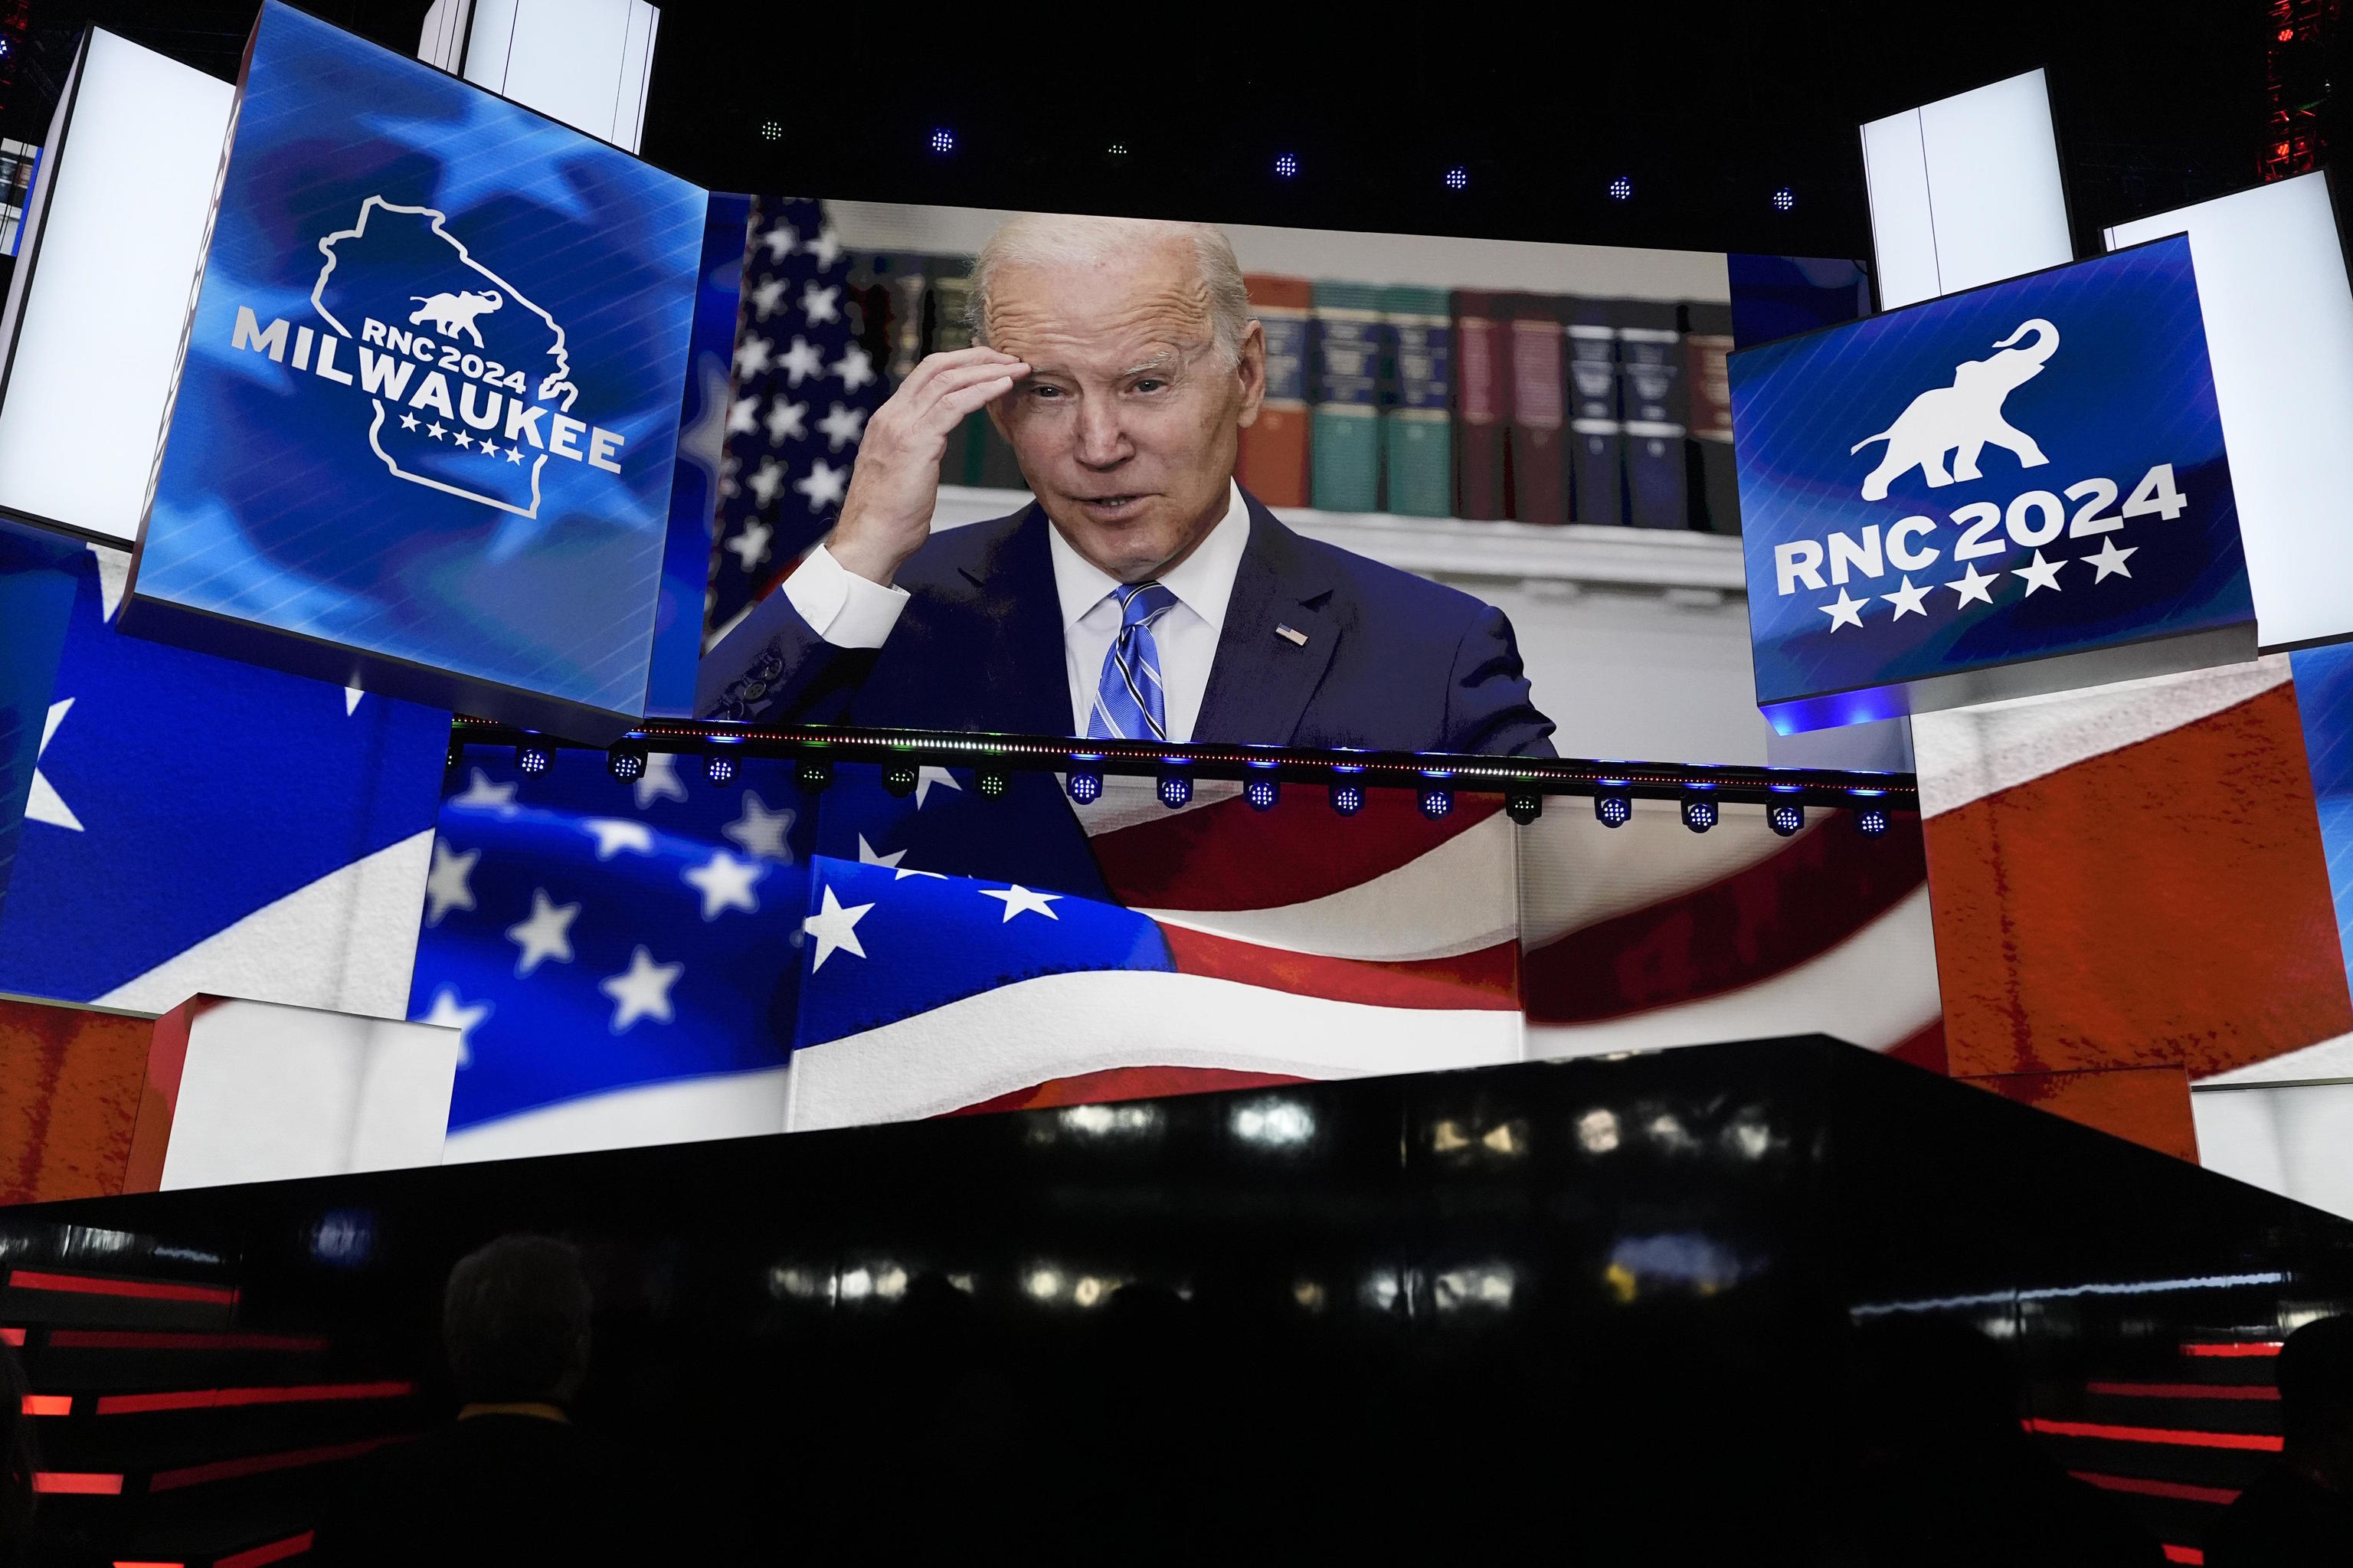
[841, 607]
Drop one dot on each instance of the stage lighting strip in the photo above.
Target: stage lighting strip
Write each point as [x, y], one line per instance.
[151, 1340]
[143, 1289]
[262, 1464]
[1551, 776]
[2261, 1442]
[227, 1398]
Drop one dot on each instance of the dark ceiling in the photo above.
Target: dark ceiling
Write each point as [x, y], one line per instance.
[2157, 103]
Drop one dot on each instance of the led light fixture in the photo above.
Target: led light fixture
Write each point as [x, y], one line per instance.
[534, 758]
[627, 762]
[1523, 803]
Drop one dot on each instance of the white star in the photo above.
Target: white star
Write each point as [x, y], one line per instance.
[445, 884]
[2042, 573]
[760, 831]
[843, 426]
[352, 696]
[615, 834]
[780, 241]
[2111, 560]
[659, 781]
[1846, 611]
[465, 440]
[482, 795]
[1907, 599]
[901, 874]
[1020, 900]
[767, 297]
[751, 547]
[640, 991]
[765, 481]
[44, 804]
[725, 883]
[447, 1012]
[489, 449]
[800, 362]
[856, 368]
[743, 415]
[825, 248]
[514, 454]
[818, 304]
[784, 420]
[927, 777]
[825, 485]
[752, 357]
[546, 935]
[866, 855]
[1974, 585]
[835, 928]
[408, 421]
[435, 430]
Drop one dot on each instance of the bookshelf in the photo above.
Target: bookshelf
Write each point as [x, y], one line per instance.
[1452, 548]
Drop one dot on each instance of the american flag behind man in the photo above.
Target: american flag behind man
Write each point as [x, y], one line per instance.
[803, 388]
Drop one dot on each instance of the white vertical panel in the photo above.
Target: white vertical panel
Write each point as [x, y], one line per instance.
[1993, 180]
[442, 41]
[2279, 329]
[103, 285]
[2295, 1140]
[584, 62]
[1966, 191]
[1903, 229]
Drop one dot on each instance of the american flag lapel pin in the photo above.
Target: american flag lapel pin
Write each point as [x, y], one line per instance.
[1291, 634]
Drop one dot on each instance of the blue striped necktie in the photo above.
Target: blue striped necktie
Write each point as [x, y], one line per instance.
[1128, 701]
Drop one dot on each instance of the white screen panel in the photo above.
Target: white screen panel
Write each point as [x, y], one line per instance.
[584, 62]
[103, 287]
[2279, 328]
[1966, 191]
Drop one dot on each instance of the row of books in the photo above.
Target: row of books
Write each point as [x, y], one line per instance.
[1422, 402]
[1485, 404]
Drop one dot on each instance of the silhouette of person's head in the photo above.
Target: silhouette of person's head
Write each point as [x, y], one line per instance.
[2315, 1388]
[514, 1320]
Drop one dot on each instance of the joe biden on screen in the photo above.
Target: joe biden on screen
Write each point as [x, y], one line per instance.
[1144, 595]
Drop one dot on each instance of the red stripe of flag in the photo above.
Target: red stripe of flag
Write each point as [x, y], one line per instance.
[1761, 921]
[1486, 979]
[143, 1289]
[2236, 1348]
[1126, 1084]
[2168, 1435]
[1225, 856]
[225, 1398]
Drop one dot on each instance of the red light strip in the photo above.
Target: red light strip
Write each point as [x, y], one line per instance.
[2168, 1435]
[86, 1483]
[126, 1562]
[2180, 1491]
[2183, 1554]
[2186, 1389]
[261, 1464]
[48, 1405]
[144, 1289]
[134, 1340]
[276, 1551]
[224, 1398]
[2236, 1348]
[12, 1336]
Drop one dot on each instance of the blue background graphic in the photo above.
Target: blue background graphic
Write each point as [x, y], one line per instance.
[271, 507]
[2129, 387]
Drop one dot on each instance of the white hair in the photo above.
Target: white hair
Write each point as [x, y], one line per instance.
[1050, 240]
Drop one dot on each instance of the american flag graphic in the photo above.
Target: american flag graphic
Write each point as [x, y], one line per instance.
[802, 389]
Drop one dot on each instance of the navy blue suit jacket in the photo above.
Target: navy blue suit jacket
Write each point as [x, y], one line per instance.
[1391, 662]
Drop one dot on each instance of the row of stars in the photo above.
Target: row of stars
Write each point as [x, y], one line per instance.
[755, 355]
[487, 447]
[784, 423]
[1973, 585]
[835, 927]
[783, 240]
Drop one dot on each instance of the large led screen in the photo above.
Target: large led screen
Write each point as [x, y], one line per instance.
[1041, 474]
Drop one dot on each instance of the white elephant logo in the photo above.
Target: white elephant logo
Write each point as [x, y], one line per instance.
[453, 313]
[1963, 417]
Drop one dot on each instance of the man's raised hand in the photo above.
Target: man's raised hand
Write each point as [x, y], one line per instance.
[895, 488]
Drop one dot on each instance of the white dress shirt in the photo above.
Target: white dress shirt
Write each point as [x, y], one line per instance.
[850, 612]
